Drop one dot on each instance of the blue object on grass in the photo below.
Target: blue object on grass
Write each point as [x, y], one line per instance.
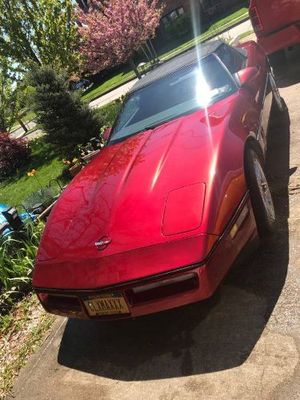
[25, 217]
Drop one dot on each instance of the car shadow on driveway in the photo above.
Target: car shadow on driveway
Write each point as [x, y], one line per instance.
[210, 336]
[287, 67]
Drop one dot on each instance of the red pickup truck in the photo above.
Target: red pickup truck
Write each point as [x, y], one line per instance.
[276, 23]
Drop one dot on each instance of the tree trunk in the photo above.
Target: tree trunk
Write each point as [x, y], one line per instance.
[152, 55]
[22, 124]
[149, 58]
[134, 67]
[153, 50]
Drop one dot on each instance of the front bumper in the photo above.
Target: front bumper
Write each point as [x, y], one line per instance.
[169, 289]
[287, 37]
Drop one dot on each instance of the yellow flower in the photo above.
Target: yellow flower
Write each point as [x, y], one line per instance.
[66, 162]
[32, 172]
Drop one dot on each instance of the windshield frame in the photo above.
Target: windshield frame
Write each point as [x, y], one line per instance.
[226, 71]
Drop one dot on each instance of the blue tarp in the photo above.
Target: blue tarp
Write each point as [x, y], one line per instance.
[24, 216]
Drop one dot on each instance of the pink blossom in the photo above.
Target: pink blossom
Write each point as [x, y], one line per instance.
[112, 31]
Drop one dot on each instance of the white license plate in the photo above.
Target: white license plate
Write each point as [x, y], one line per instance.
[106, 304]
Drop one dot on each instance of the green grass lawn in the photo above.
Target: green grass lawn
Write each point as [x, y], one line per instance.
[47, 162]
[48, 166]
[29, 116]
[119, 79]
[123, 77]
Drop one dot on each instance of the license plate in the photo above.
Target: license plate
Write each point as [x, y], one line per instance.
[106, 304]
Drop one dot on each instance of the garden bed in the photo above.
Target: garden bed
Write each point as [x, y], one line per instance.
[23, 322]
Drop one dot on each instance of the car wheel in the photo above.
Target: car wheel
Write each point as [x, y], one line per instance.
[260, 194]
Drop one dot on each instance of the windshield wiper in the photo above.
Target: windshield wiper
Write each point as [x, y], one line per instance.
[150, 127]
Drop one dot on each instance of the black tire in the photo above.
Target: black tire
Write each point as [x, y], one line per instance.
[260, 194]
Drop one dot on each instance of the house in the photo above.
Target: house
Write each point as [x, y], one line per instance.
[208, 9]
[176, 24]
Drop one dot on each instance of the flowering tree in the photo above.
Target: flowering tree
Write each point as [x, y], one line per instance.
[112, 31]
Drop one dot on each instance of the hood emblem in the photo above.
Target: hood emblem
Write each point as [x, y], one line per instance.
[103, 243]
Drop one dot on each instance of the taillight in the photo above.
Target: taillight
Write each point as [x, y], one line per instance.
[255, 19]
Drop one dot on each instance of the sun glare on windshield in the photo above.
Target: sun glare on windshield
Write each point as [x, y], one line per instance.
[203, 89]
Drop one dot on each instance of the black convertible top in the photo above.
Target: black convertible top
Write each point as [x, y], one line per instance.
[188, 58]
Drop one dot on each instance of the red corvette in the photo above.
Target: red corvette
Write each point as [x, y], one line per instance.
[157, 219]
[276, 23]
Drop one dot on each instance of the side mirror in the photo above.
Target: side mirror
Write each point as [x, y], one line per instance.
[246, 75]
[106, 134]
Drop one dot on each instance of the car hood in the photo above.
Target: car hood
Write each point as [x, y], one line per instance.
[120, 197]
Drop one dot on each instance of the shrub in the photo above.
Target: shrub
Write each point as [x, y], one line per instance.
[17, 259]
[14, 153]
[63, 116]
[109, 112]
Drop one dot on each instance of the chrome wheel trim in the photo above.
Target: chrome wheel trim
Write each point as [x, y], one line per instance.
[264, 190]
[278, 100]
[276, 93]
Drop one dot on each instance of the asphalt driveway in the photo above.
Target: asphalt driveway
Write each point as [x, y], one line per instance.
[241, 344]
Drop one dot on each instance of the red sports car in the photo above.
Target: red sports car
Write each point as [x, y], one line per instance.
[157, 219]
[276, 23]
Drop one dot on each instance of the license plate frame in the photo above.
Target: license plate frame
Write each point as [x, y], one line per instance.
[106, 304]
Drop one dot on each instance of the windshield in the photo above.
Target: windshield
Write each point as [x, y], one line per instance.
[179, 93]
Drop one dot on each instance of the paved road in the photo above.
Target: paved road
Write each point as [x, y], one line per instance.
[238, 30]
[20, 132]
[241, 344]
[113, 95]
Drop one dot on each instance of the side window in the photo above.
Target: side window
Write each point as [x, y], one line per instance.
[233, 59]
[240, 59]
